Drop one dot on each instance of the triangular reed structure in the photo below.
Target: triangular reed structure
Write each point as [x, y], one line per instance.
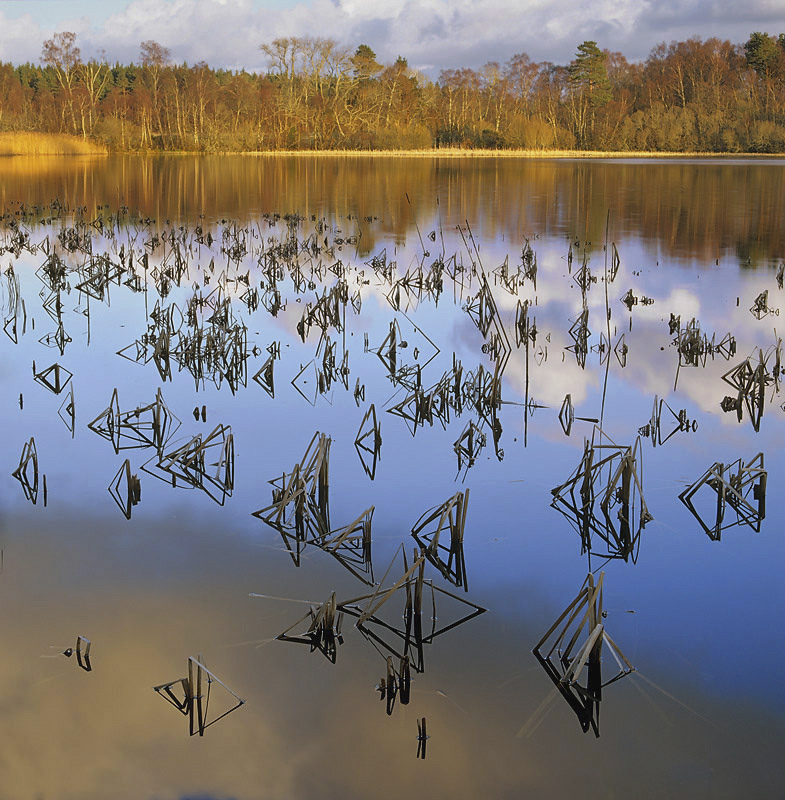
[300, 510]
[738, 485]
[192, 695]
[368, 442]
[449, 518]
[607, 480]
[323, 632]
[573, 645]
[27, 471]
[125, 489]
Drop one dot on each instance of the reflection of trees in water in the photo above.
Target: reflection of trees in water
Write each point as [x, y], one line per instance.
[696, 210]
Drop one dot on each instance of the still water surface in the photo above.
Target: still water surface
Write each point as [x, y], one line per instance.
[185, 267]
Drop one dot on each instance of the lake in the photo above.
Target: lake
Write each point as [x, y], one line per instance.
[305, 456]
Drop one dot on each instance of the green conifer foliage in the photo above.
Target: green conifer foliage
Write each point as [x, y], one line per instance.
[588, 73]
[764, 53]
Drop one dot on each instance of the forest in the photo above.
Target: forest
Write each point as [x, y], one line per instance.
[699, 95]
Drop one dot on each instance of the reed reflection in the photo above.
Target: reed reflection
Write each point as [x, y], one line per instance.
[276, 298]
[698, 210]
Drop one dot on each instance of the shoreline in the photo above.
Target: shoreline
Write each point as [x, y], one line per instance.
[459, 153]
[27, 144]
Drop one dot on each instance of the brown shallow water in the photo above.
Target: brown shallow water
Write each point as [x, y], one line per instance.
[685, 209]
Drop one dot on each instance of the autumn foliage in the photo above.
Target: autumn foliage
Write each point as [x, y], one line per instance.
[692, 96]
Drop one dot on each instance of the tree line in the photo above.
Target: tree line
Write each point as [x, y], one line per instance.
[704, 95]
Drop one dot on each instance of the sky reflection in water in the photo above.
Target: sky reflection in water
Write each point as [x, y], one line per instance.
[696, 719]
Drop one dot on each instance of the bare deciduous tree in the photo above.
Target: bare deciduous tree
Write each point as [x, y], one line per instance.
[61, 53]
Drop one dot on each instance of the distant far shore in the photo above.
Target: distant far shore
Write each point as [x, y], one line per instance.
[457, 152]
[24, 143]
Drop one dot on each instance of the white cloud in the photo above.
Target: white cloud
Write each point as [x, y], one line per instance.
[15, 39]
[435, 34]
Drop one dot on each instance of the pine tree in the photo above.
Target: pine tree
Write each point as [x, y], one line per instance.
[764, 53]
[588, 74]
[365, 63]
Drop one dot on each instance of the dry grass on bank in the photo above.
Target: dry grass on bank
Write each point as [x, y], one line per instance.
[29, 143]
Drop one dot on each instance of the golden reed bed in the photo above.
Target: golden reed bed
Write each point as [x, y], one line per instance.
[29, 143]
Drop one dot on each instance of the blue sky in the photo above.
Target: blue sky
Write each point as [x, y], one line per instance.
[431, 34]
